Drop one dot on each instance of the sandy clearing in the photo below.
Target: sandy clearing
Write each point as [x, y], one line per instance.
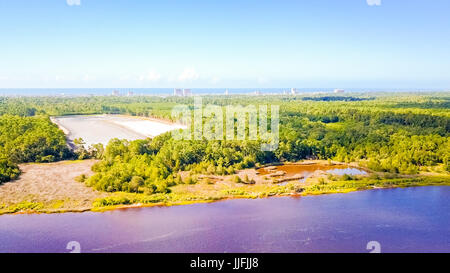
[148, 128]
[95, 129]
[52, 184]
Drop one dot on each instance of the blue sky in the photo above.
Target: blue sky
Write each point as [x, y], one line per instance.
[227, 43]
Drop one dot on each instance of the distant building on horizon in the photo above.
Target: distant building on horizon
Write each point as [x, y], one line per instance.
[293, 91]
[339, 91]
[182, 92]
[226, 92]
[130, 93]
[115, 93]
[177, 92]
[187, 92]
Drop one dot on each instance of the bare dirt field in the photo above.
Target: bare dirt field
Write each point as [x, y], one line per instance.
[52, 185]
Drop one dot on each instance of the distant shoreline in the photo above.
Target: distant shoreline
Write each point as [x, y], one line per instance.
[168, 92]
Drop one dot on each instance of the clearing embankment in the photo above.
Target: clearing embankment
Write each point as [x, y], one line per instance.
[49, 187]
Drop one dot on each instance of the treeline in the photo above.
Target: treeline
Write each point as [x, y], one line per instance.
[378, 146]
[28, 139]
[336, 98]
[59, 106]
[404, 109]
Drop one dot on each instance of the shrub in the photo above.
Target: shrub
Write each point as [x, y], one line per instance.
[190, 180]
[81, 178]
[134, 184]
[8, 171]
[347, 177]
[236, 179]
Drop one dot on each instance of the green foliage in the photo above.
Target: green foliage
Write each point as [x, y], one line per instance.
[404, 134]
[369, 183]
[236, 179]
[126, 199]
[8, 170]
[135, 183]
[81, 178]
[29, 139]
[347, 177]
[24, 206]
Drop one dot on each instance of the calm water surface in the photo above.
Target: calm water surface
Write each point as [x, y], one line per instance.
[306, 170]
[401, 220]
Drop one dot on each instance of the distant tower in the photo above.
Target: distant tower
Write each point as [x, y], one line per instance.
[293, 91]
[115, 93]
[226, 92]
[130, 93]
[187, 92]
[177, 92]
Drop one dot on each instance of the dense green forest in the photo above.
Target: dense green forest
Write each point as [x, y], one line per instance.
[402, 133]
[28, 139]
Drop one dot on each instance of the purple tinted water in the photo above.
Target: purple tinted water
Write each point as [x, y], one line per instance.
[401, 220]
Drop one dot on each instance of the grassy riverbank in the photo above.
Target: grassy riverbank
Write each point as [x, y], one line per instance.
[67, 195]
[185, 195]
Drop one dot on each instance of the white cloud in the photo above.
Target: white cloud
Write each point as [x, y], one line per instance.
[151, 76]
[189, 74]
[374, 2]
[73, 2]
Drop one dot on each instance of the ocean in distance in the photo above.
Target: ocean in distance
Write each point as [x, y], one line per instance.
[195, 91]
